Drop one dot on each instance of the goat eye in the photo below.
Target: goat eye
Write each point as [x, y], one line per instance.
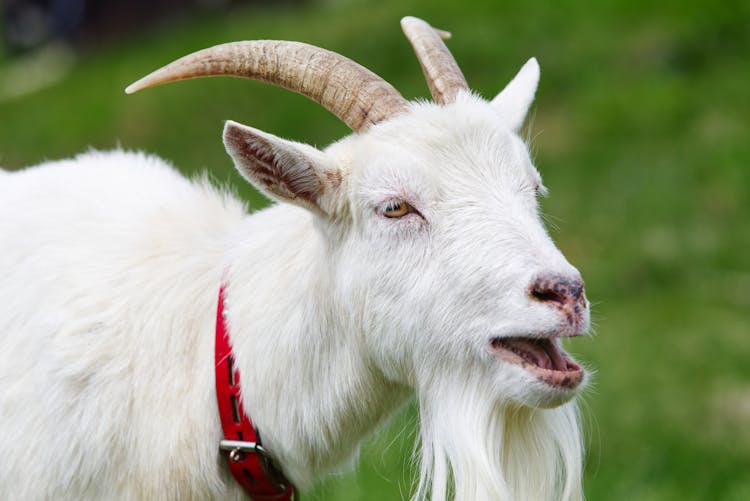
[396, 208]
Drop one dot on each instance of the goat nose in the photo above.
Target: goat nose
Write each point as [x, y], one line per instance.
[556, 288]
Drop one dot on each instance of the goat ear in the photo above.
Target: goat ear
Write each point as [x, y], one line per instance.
[515, 99]
[283, 170]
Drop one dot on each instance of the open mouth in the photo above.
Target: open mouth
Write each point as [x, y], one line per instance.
[542, 357]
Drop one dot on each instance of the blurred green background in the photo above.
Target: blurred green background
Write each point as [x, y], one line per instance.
[641, 129]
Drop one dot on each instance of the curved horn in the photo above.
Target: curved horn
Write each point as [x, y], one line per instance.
[353, 93]
[443, 75]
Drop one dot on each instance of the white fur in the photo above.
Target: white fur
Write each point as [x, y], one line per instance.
[111, 265]
[514, 100]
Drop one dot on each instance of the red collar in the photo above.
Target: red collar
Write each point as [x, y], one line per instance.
[248, 461]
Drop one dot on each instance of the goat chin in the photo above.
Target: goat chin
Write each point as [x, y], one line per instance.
[474, 448]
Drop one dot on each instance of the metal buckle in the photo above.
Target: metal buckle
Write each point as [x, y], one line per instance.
[236, 448]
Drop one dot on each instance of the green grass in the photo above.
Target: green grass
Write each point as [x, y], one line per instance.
[642, 133]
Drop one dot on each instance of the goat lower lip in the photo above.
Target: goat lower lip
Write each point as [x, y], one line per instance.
[542, 357]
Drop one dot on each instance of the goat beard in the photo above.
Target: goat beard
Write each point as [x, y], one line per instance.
[474, 448]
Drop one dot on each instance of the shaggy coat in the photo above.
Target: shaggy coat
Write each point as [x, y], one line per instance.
[339, 312]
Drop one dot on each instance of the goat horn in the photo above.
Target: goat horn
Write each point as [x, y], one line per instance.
[440, 69]
[353, 93]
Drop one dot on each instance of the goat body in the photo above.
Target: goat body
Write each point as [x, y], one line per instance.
[406, 259]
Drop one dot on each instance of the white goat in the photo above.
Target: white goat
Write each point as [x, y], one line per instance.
[410, 259]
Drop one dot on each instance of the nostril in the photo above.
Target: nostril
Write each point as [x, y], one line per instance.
[553, 288]
[547, 296]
